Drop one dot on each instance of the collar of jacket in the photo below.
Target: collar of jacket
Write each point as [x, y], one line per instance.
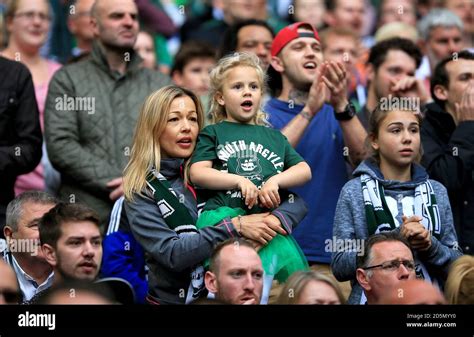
[170, 167]
[98, 57]
[439, 117]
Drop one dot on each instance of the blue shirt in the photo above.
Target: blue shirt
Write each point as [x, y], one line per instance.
[322, 146]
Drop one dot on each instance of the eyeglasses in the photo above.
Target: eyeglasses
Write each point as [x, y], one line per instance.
[31, 15]
[394, 265]
[11, 296]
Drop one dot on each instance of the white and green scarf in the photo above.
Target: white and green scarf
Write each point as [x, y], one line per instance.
[177, 217]
[380, 219]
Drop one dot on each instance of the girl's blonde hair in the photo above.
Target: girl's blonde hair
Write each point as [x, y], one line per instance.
[379, 114]
[459, 288]
[146, 150]
[296, 283]
[219, 74]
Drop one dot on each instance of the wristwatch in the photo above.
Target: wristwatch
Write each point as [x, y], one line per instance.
[347, 114]
[306, 115]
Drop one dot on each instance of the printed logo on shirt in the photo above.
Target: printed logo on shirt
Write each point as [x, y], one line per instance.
[249, 166]
[241, 149]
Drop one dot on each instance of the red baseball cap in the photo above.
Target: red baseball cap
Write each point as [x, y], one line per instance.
[289, 33]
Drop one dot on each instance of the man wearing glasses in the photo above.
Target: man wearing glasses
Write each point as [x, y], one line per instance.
[21, 249]
[388, 260]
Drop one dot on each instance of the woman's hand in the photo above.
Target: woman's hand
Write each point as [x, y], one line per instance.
[249, 191]
[268, 195]
[261, 228]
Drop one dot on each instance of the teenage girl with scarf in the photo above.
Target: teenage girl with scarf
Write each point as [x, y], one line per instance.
[392, 192]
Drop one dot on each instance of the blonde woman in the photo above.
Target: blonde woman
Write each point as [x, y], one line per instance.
[310, 287]
[160, 205]
[28, 23]
[459, 287]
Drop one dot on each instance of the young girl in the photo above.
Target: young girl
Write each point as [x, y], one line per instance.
[391, 192]
[161, 207]
[245, 163]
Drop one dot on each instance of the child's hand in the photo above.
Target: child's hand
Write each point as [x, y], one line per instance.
[269, 196]
[416, 234]
[249, 191]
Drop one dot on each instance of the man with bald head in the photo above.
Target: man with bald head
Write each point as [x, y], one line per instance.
[412, 292]
[92, 108]
[235, 273]
[9, 290]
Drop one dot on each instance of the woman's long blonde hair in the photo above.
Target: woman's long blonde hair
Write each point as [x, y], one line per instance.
[459, 287]
[146, 150]
[218, 76]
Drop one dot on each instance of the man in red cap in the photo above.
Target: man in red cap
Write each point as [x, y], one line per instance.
[325, 135]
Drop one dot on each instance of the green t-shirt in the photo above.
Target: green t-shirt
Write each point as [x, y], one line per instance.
[254, 151]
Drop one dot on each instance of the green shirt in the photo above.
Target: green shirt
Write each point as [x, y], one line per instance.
[253, 151]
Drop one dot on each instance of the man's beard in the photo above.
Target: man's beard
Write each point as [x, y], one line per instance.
[118, 49]
[69, 277]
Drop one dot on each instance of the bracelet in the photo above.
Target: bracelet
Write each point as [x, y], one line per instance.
[240, 224]
[306, 115]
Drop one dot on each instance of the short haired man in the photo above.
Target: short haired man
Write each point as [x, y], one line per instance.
[72, 242]
[397, 11]
[341, 44]
[253, 36]
[346, 14]
[235, 273]
[387, 261]
[447, 136]
[318, 131]
[391, 72]
[9, 290]
[79, 24]
[441, 36]
[22, 249]
[465, 10]
[92, 107]
[85, 292]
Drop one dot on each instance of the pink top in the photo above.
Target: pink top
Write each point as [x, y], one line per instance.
[35, 179]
